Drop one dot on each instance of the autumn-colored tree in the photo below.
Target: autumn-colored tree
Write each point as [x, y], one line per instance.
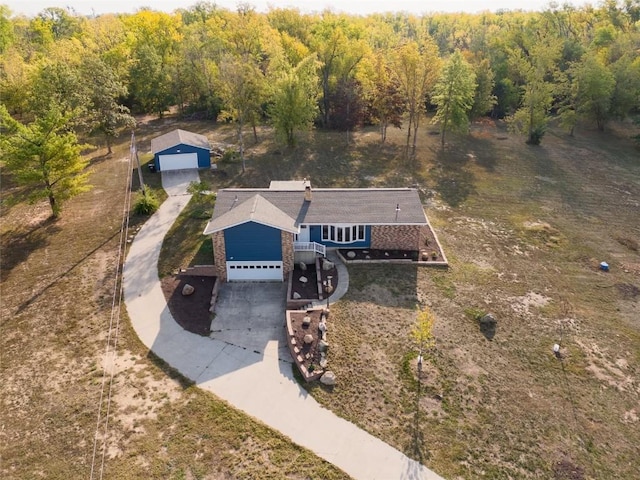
[422, 331]
[416, 68]
[534, 62]
[453, 95]
[386, 102]
[294, 99]
[44, 155]
[339, 51]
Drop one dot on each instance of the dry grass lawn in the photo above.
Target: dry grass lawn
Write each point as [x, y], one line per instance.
[57, 296]
[524, 229]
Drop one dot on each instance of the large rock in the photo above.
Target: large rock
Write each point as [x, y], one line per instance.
[351, 254]
[306, 321]
[302, 266]
[296, 296]
[308, 338]
[328, 378]
[327, 264]
[488, 320]
[323, 346]
[188, 289]
[303, 279]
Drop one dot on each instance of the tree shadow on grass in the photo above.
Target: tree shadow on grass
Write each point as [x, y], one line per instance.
[34, 297]
[417, 448]
[453, 179]
[18, 245]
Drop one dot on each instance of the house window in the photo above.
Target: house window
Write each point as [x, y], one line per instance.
[343, 233]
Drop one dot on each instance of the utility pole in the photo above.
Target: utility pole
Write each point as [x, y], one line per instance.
[134, 153]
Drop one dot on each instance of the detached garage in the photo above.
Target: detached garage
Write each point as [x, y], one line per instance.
[181, 150]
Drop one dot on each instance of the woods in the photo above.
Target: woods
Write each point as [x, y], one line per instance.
[574, 66]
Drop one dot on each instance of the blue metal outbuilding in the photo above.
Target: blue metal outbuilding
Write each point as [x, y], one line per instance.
[179, 150]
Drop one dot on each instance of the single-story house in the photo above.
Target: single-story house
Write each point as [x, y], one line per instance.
[180, 150]
[259, 234]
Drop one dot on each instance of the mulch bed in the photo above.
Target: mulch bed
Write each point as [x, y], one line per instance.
[428, 246]
[191, 312]
[309, 290]
[380, 254]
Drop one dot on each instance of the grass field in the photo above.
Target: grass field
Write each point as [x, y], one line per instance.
[57, 295]
[524, 229]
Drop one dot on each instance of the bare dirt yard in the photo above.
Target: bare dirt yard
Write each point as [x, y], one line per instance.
[524, 230]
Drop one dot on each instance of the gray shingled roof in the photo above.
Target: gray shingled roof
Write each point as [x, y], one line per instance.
[370, 206]
[176, 137]
[255, 209]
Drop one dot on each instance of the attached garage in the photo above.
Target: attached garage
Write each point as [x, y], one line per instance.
[254, 271]
[181, 150]
[254, 242]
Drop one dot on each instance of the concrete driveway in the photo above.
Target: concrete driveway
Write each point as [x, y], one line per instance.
[251, 376]
[176, 182]
[250, 315]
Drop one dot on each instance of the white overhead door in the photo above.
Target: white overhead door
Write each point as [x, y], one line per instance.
[254, 271]
[179, 161]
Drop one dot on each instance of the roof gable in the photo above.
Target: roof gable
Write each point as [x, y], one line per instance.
[254, 209]
[177, 137]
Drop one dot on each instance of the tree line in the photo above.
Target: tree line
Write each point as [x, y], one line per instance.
[336, 71]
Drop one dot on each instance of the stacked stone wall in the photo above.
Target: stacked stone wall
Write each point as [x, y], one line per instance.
[287, 253]
[395, 237]
[220, 255]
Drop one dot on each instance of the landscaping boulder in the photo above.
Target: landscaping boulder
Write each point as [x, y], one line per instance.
[488, 326]
[308, 338]
[296, 296]
[328, 378]
[323, 346]
[327, 264]
[304, 279]
[351, 254]
[306, 321]
[188, 290]
[302, 266]
[488, 320]
[323, 361]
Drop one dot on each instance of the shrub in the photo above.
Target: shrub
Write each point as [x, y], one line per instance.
[229, 155]
[146, 203]
[536, 135]
[474, 313]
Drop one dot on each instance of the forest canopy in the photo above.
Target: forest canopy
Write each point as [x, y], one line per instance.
[580, 65]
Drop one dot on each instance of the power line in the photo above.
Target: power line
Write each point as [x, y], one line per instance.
[114, 327]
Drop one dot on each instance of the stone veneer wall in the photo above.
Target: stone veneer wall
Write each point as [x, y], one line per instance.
[286, 241]
[395, 237]
[220, 255]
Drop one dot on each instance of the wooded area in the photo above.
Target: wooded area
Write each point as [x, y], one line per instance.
[335, 71]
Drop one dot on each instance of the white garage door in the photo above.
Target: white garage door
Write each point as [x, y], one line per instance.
[179, 161]
[254, 271]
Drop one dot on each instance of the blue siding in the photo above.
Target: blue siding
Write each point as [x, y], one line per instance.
[315, 235]
[204, 156]
[253, 242]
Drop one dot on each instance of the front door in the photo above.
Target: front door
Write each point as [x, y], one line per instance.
[303, 236]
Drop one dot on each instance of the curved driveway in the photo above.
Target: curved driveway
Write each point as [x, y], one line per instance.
[257, 381]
